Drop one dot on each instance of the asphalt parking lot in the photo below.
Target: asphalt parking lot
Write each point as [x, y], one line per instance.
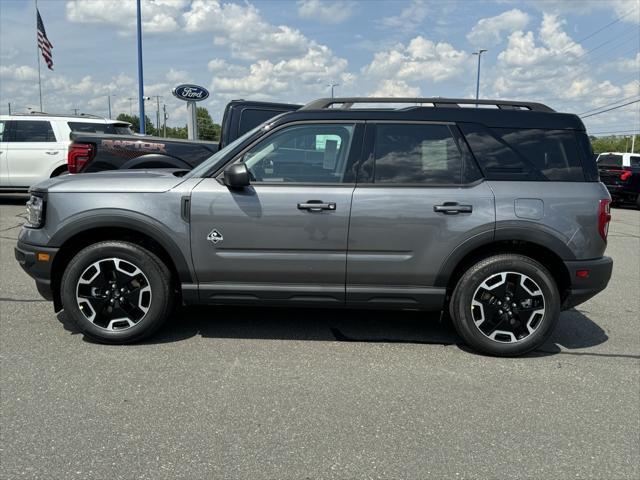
[275, 393]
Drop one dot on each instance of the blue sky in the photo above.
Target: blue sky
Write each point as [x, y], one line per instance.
[541, 50]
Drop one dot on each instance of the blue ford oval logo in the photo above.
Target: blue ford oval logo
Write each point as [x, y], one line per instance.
[192, 93]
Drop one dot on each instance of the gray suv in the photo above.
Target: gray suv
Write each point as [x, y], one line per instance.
[490, 211]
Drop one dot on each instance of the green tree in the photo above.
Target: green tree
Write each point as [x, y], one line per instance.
[207, 130]
[134, 120]
[612, 143]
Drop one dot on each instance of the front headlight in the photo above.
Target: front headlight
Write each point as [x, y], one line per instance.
[35, 212]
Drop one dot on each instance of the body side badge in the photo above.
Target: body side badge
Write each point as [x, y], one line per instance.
[215, 237]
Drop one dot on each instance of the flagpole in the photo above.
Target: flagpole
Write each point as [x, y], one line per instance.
[38, 56]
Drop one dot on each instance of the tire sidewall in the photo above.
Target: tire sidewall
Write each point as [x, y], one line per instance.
[482, 271]
[138, 257]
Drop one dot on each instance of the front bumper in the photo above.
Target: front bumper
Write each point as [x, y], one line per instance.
[582, 289]
[27, 256]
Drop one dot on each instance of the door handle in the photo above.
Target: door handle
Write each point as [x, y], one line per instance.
[452, 208]
[50, 152]
[316, 205]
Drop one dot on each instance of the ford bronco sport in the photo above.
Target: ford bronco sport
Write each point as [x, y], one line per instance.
[488, 210]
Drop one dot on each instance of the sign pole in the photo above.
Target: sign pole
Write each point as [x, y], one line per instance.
[192, 121]
[143, 118]
[191, 94]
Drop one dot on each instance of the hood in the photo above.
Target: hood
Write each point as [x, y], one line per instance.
[116, 181]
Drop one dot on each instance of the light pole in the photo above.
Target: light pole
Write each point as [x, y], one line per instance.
[479, 54]
[109, 102]
[332, 85]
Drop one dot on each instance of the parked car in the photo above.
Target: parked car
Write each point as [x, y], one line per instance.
[33, 147]
[620, 172]
[96, 153]
[494, 215]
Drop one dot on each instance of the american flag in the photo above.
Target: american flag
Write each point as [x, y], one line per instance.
[44, 44]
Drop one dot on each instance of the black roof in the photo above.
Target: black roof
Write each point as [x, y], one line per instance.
[505, 114]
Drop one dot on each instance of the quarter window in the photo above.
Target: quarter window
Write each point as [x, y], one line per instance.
[315, 153]
[416, 154]
[33, 131]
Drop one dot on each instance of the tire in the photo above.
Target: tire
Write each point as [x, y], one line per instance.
[135, 309]
[638, 201]
[505, 305]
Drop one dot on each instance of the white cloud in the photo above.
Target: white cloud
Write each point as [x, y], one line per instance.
[628, 9]
[328, 11]
[409, 18]
[18, 72]
[395, 88]
[488, 31]
[422, 60]
[177, 76]
[241, 27]
[627, 64]
[158, 16]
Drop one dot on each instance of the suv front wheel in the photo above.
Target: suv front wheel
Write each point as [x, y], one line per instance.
[505, 305]
[116, 292]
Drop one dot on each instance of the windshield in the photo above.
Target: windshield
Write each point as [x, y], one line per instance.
[211, 162]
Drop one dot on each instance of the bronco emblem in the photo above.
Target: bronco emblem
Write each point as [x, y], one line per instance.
[215, 237]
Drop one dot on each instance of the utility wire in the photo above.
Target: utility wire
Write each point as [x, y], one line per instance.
[608, 104]
[602, 28]
[612, 108]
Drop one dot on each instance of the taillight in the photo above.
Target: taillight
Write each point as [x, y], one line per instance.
[624, 176]
[604, 217]
[78, 156]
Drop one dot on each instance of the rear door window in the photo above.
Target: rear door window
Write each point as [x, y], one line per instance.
[635, 160]
[416, 154]
[33, 131]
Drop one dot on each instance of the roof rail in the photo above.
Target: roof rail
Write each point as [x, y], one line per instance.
[348, 102]
[34, 113]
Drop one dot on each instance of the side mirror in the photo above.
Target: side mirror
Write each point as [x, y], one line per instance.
[236, 176]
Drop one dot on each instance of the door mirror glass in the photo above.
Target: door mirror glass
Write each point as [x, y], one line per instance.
[236, 176]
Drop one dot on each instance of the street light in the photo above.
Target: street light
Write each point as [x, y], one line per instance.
[479, 54]
[109, 102]
[332, 85]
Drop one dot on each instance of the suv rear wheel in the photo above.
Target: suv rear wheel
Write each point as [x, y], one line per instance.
[505, 305]
[116, 292]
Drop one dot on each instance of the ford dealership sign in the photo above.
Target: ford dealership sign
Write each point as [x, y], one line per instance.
[190, 93]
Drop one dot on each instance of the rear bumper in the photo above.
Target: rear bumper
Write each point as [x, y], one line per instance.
[582, 289]
[27, 257]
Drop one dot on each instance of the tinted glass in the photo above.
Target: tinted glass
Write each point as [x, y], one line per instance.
[635, 160]
[526, 154]
[416, 154]
[86, 127]
[554, 153]
[250, 118]
[2, 131]
[610, 161]
[316, 153]
[33, 131]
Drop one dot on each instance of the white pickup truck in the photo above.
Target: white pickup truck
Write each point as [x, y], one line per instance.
[33, 147]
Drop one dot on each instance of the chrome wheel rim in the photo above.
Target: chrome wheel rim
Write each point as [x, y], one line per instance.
[113, 294]
[508, 307]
